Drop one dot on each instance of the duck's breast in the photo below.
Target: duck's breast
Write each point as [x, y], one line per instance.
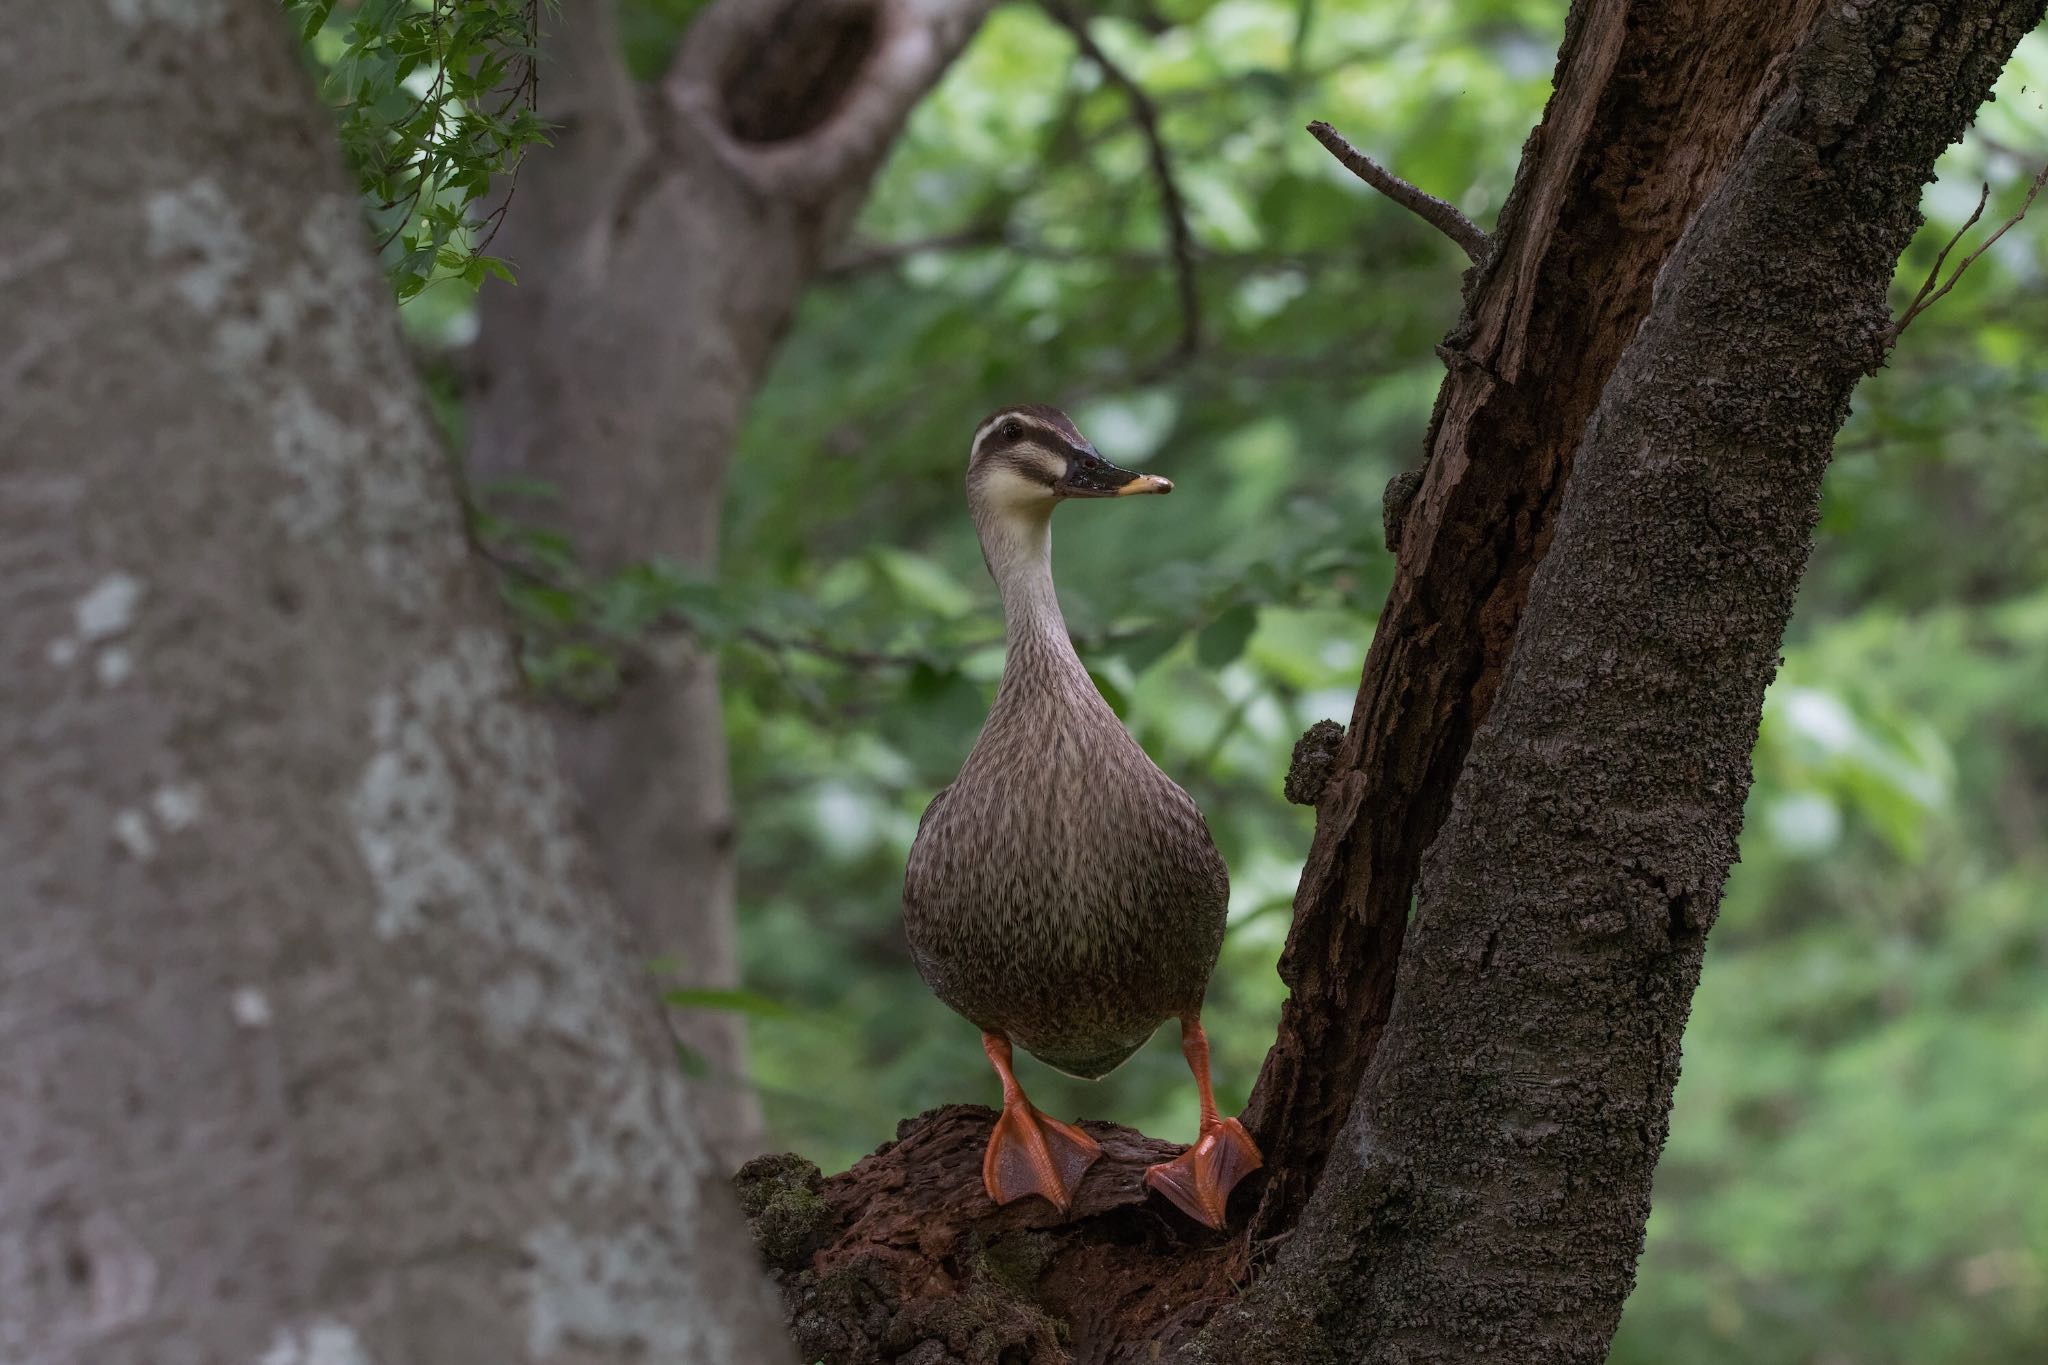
[1064, 891]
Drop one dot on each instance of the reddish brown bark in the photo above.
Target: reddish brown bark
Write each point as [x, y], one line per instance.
[904, 1255]
[1653, 103]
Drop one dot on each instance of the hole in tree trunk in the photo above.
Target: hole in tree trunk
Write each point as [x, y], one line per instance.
[796, 74]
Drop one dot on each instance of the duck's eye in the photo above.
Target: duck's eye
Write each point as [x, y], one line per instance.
[1013, 431]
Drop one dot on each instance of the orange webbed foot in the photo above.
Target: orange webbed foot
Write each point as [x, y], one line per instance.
[1199, 1180]
[1029, 1153]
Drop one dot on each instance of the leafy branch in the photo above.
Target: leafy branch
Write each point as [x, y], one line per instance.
[437, 103]
[585, 635]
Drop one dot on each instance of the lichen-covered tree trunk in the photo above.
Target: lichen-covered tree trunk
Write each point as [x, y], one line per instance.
[662, 245]
[1594, 580]
[322, 1042]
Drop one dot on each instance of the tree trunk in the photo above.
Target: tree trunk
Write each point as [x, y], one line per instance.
[1687, 284]
[1487, 1197]
[1652, 105]
[323, 1043]
[662, 246]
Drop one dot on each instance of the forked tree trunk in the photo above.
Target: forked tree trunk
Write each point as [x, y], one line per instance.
[322, 1043]
[662, 245]
[1653, 103]
[1685, 287]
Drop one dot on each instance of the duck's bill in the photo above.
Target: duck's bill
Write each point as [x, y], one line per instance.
[1145, 483]
[1108, 481]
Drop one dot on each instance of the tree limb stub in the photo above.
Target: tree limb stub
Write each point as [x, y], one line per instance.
[1440, 214]
[1650, 109]
[904, 1257]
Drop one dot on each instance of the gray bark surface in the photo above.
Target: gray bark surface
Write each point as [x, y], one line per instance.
[662, 245]
[1487, 1198]
[322, 1042]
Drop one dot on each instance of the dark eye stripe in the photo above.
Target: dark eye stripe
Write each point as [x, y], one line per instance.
[1025, 466]
[1026, 433]
[1031, 431]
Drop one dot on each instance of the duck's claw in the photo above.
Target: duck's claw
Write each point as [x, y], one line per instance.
[1200, 1179]
[1029, 1153]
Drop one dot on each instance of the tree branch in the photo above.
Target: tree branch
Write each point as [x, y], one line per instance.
[844, 73]
[866, 257]
[1440, 214]
[1501, 444]
[1172, 208]
[1479, 1158]
[1925, 300]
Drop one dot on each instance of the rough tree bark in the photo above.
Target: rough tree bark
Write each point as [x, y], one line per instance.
[322, 1043]
[663, 244]
[1652, 104]
[1680, 298]
[1487, 1197]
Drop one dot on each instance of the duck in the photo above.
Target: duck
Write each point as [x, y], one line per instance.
[1063, 894]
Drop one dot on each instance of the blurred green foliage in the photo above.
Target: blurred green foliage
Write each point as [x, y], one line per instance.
[1854, 1173]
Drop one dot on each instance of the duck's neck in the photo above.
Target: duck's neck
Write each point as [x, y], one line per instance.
[1018, 549]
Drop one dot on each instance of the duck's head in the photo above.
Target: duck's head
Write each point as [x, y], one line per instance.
[1028, 458]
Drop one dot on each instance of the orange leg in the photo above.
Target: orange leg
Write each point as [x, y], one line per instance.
[1029, 1153]
[1200, 1179]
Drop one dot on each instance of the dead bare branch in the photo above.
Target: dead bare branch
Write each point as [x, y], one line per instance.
[1924, 300]
[1440, 214]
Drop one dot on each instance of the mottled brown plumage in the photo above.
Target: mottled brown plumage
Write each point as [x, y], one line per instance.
[1063, 892]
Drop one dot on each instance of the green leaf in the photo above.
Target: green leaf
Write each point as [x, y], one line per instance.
[543, 602]
[540, 490]
[928, 682]
[1111, 693]
[736, 1001]
[314, 18]
[1143, 650]
[1223, 639]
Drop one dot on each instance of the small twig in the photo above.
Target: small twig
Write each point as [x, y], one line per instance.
[1440, 214]
[1172, 207]
[863, 257]
[1925, 300]
[1941, 258]
[672, 623]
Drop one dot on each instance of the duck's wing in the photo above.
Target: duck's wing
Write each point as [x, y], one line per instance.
[915, 873]
[938, 799]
